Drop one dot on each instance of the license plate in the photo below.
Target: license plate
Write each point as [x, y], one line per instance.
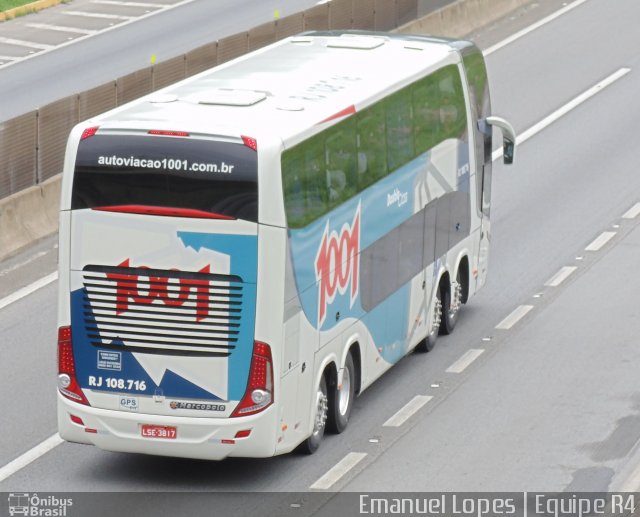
[168, 432]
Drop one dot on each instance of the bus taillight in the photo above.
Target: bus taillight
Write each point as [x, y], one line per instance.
[67, 382]
[259, 393]
[89, 132]
[164, 132]
[250, 142]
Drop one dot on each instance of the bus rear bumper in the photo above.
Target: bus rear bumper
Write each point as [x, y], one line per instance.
[199, 438]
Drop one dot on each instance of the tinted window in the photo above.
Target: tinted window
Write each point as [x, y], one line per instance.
[305, 183]
[479, 91]
[341, 160]
[453, 113]
[212, 176]
[372, 156]
[399, 129]
[426, 112]
[334, 165]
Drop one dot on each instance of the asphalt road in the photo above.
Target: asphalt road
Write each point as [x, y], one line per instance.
[553, 400]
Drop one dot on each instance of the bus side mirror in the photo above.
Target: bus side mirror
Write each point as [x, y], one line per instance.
[508, 138]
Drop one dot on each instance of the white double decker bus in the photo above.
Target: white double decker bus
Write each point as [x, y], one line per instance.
[243, 253]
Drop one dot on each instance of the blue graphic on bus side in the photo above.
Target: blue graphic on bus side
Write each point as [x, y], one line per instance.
[326, 254]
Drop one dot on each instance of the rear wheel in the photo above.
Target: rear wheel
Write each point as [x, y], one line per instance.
[451, 305]
[311, 444]
[429, 342]
[341, 398]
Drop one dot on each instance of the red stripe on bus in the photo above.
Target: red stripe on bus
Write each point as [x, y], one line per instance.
[163, 211]
[344, 113]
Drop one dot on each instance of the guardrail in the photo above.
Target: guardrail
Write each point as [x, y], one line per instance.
[32, 145]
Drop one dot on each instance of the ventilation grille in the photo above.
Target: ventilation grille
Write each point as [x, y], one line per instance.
[162, 312]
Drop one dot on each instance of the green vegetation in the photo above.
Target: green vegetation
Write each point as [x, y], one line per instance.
[10, 4]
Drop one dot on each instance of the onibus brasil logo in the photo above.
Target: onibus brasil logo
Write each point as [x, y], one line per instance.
[337, 264]
[40, 506]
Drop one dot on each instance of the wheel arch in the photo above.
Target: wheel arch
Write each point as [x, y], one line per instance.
[444, 281]
[356, 356]
[464, 269]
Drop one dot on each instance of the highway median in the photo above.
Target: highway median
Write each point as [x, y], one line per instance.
[27, 8]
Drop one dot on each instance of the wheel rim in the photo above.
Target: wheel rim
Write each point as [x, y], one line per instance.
[437, 316]
[322, 408]
[456, 302]
[344, 397]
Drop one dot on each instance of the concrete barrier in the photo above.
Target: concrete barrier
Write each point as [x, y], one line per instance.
[29, 215]
[462, 17]
[32, 214]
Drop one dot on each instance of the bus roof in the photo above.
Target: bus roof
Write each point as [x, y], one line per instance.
[288, 87]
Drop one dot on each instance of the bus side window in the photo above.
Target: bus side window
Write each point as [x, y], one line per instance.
[316, 195]
[452, 107]
[372, 151]
[341, 162]
[305, 189]
[399, 129]
[426, 115]
[293, 184]
[481, 107]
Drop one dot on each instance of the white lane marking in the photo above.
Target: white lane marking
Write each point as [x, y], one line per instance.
[461, 364]
[407, 411]
[339, 470]
[560, 276]
[633, 212]
[25, 262]
[533, 27]
[8, 58]
[514, 317]
[59, 28]
[560, 112]
[30, 456]
[128, 4]
[26, 291]
[600, 241]
[99, 15]
[23, 43]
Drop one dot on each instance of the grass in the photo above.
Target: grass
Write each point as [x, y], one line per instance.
[10, 4]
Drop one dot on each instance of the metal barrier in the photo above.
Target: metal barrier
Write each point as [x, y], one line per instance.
[32, 146]
[18, 149]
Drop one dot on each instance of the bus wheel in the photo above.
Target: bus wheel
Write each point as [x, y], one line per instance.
[311, 444]
[341, 400]
[429, 342]
[451, 305]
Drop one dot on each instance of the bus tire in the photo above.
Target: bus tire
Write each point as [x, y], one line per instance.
[427, 344]
[311, 444]
[451, 305]
[341, 400]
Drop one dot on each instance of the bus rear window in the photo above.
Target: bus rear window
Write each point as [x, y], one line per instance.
[184, 173]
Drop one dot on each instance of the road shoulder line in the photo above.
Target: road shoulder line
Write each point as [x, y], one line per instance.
[30, 456]
[27, 290]
[338, 471]
[407, 411]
